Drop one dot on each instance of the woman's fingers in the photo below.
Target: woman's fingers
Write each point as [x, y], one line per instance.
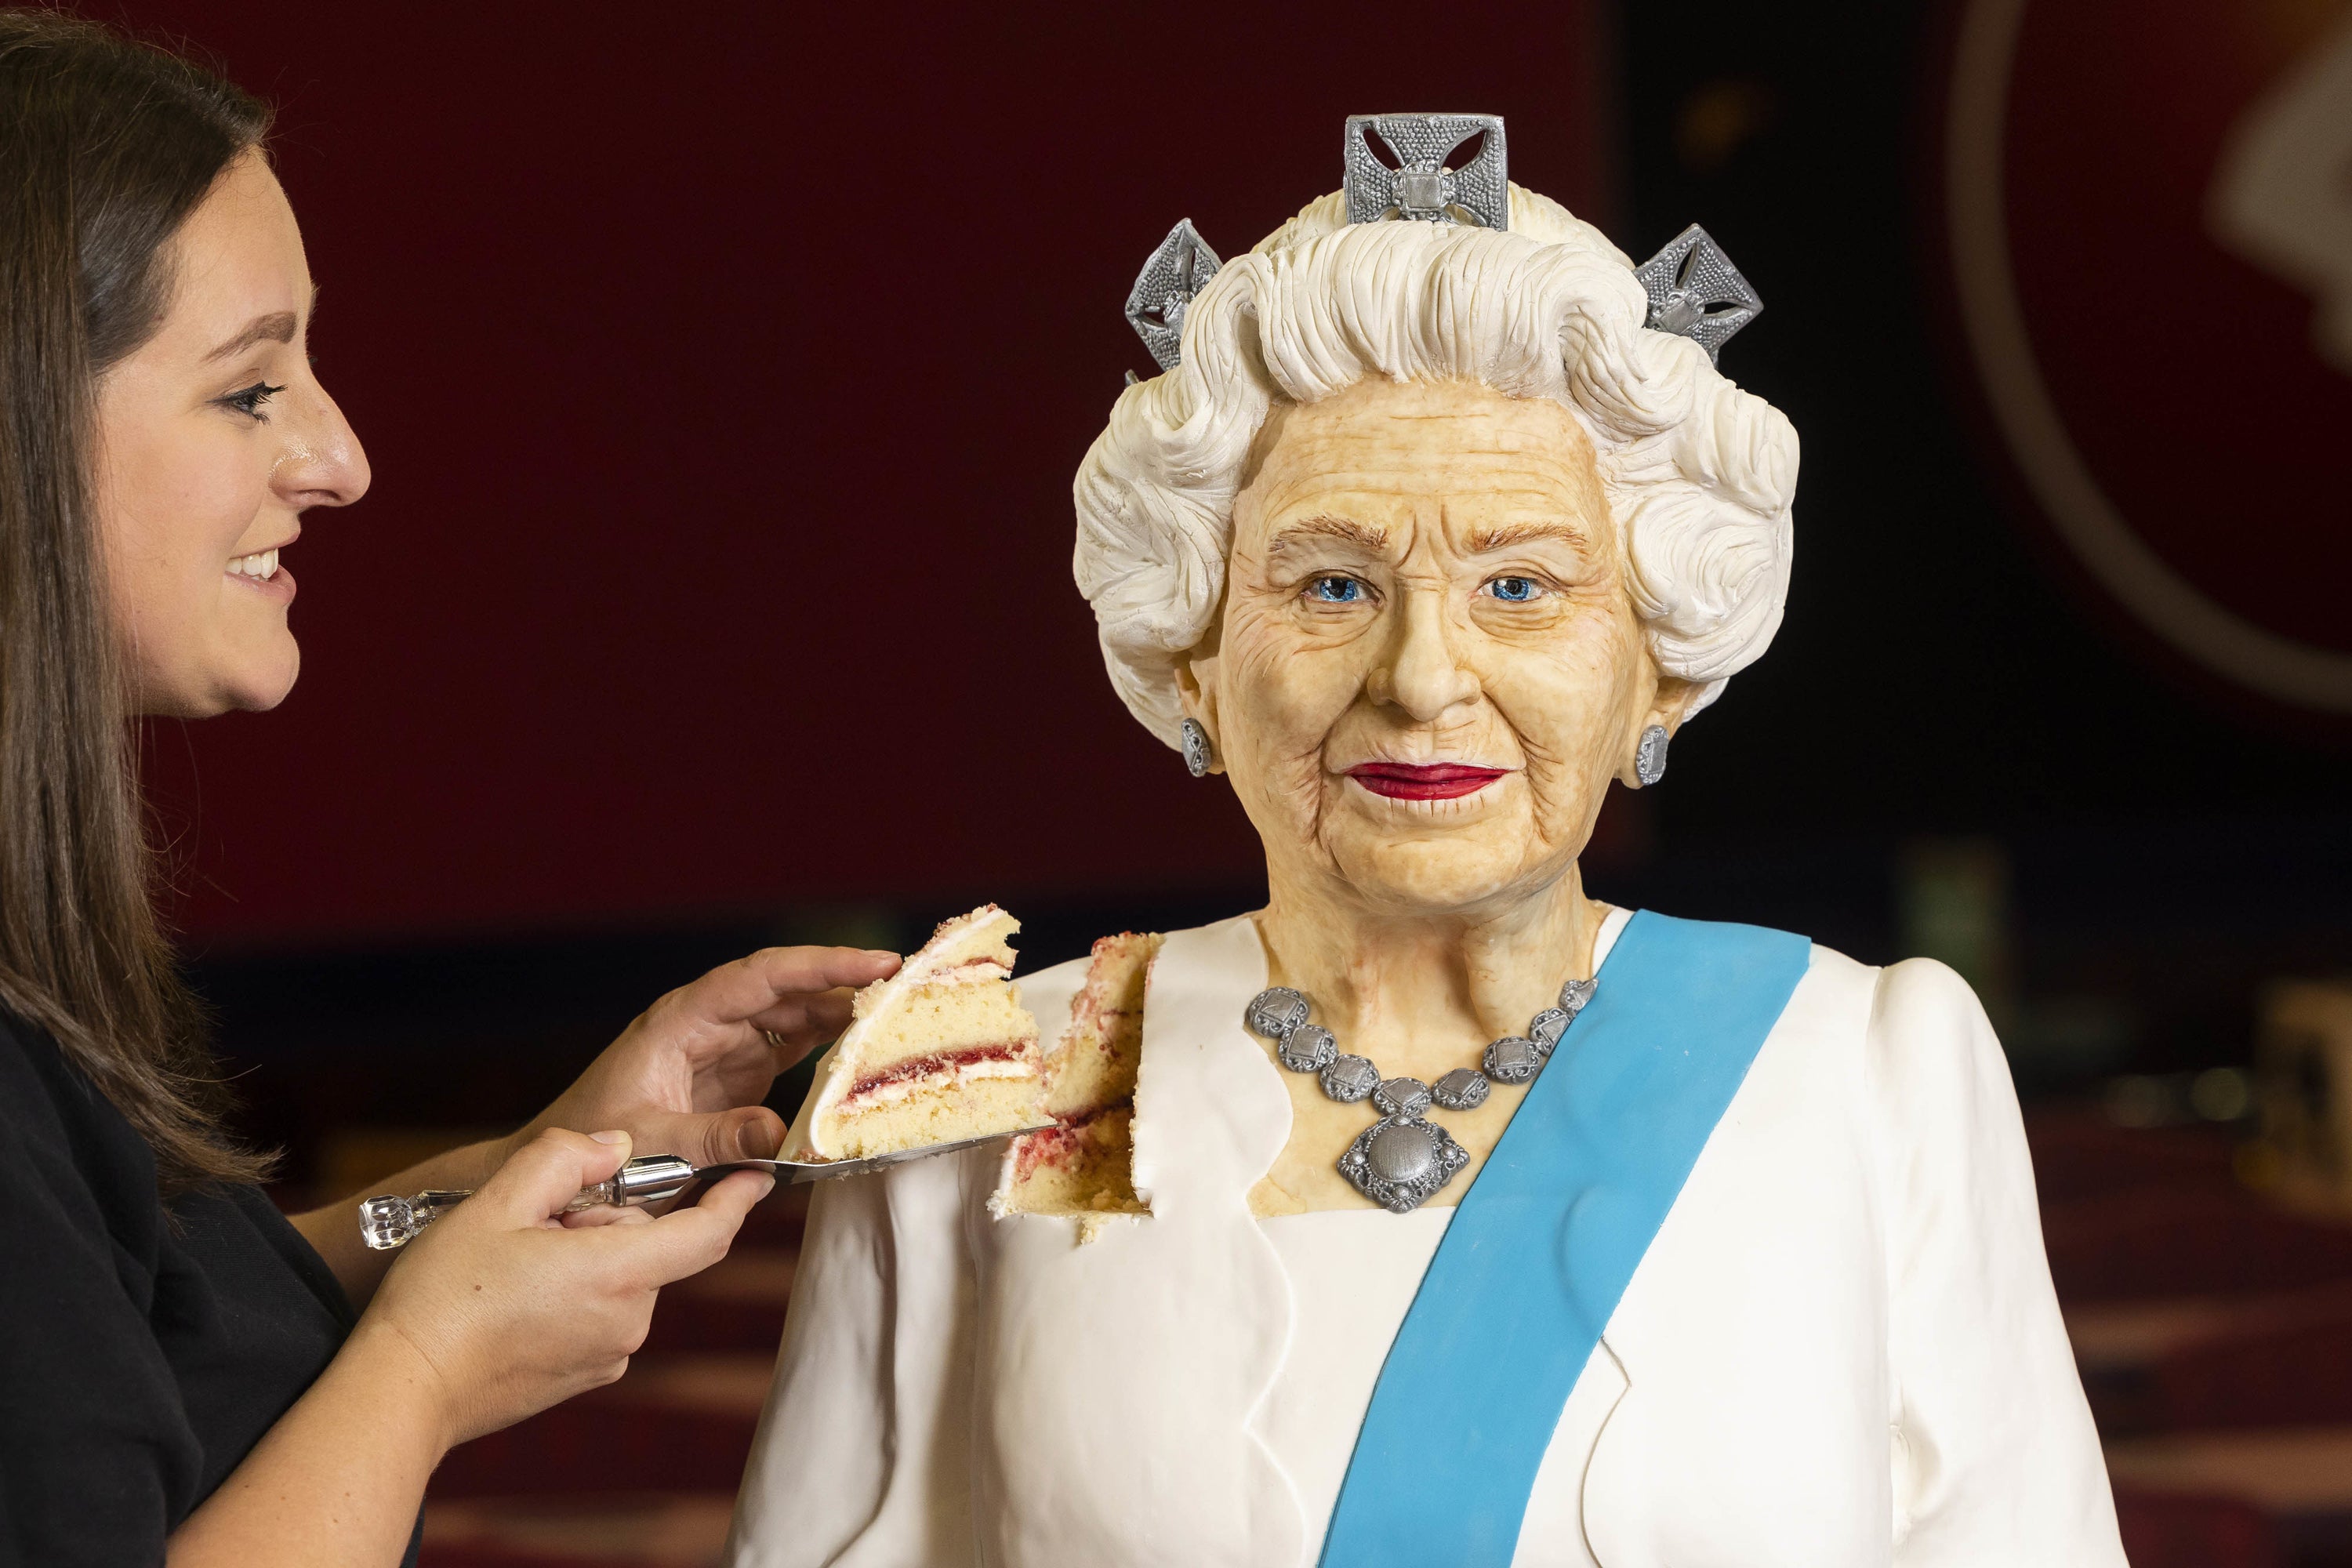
[713, 1048]
[809, 1020]
[547, 1172]
[513, 1313]
[801, 996]
[732, 1198]
[689, 1240]
[750, 1132]
[740, 992]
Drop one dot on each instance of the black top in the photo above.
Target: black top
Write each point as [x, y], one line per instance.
[139, 1362]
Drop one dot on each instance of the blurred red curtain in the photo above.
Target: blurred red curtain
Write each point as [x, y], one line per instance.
[723, 370]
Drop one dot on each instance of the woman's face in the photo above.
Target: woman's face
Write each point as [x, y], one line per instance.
[1429, 668]
[213, 439]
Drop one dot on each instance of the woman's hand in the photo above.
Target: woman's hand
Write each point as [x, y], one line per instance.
[688, 1077]
[498, 1312]
[509, 1310]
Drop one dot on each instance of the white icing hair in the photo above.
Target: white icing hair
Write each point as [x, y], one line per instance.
[1698, 474]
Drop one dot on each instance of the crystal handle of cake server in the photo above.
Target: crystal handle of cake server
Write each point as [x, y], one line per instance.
[391, 1221]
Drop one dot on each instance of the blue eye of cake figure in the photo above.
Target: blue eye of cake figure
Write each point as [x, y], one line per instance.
[1336, 590]
[1513, 590]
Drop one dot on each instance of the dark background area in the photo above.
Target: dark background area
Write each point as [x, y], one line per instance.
[723, 377]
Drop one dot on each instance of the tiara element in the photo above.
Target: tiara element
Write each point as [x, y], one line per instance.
[1696, 290]
[1171, 279]
[1421, 186]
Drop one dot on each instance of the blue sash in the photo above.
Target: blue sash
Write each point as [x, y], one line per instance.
[1546, 1239]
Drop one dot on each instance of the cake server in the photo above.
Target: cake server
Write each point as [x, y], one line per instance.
[391, 1221]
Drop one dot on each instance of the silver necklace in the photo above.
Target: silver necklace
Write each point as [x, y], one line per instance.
[1400, 1159]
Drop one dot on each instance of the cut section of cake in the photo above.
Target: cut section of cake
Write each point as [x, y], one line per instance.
[1084, 1165]
[939, 1052]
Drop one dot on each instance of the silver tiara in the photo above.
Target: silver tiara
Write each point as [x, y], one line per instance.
[1173, 277]
[1421, 186]
[1694, 288]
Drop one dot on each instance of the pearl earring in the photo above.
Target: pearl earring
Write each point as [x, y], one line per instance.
[1196, 747]
[1649, 756]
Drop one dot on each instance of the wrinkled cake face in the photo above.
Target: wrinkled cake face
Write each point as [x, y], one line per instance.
[1429, 666]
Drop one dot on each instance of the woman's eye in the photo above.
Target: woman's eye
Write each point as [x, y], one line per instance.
[247, 401]
[1336, 591]
[1515, 590]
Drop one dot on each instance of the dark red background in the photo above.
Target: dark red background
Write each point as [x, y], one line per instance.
[723, 376]
[2186, 375]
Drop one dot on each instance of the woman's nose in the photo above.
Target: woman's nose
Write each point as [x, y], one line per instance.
[1421, 673]
[324, 464]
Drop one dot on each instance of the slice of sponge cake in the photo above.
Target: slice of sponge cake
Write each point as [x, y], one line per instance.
[940, 1051]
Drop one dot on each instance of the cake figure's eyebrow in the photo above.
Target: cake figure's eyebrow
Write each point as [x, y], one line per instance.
[1511, 534]
[1324, 526]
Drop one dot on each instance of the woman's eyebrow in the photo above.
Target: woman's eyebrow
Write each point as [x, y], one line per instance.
[276, 327]
[1512, 533]
[1328, 527]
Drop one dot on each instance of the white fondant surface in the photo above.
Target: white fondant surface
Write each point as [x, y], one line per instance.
[1841, 1351]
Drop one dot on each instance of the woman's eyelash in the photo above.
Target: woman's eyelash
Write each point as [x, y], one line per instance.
[247, 401]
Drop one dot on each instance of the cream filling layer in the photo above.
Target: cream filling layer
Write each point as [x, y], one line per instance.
[941, 1078]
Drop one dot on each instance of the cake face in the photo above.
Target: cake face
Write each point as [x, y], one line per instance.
[940, 1051]
[1083, 1164]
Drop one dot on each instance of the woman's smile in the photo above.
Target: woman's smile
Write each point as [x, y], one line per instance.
[1425, 781]
[260, 570]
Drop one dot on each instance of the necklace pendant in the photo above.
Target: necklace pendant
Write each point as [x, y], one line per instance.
[1401, 1160]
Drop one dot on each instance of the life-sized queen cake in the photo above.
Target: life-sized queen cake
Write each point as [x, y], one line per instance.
[1453, 1217]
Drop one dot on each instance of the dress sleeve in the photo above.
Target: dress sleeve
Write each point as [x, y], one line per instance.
[97, 1456]
[863, 1457]
[1995, 1456]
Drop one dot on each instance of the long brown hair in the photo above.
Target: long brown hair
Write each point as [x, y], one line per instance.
[106, 146]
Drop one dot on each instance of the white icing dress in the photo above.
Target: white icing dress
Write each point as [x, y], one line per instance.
[1841, 1350]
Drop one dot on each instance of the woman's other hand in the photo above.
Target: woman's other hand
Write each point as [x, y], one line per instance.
[687, 1077]
[509, 1310]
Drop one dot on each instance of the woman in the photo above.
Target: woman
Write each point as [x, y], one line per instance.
[1426, 538]
[182, 1373]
